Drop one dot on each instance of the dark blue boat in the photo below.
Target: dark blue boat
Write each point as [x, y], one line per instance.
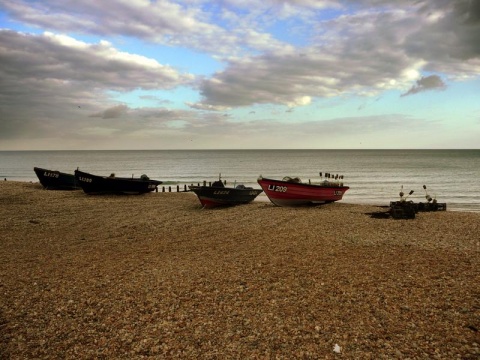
[95, 184]
[56, 180]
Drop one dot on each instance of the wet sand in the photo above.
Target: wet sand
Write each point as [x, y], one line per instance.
[155, 276]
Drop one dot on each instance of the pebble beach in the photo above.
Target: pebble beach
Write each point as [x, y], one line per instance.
[156, 276]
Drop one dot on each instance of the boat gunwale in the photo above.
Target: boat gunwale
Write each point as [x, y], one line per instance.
[315, 185]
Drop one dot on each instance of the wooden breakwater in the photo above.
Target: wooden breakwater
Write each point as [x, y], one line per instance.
[184, 188]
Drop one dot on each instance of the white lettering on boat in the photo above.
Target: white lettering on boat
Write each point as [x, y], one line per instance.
[84, 179]
[49, 174]
[337, 192]
[277, 188]
[221, 192]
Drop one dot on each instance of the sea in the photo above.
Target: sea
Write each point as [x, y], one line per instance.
[375, 177]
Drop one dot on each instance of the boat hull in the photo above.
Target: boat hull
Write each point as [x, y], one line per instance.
[94, 184]
[222, 196]
[285, 193]
[56, 180]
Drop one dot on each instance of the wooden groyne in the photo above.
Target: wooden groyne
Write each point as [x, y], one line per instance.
[185, 188]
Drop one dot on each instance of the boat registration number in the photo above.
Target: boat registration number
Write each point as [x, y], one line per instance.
[221, 192]
[277, 188]
[84, 179]
[337, 192]
[49, 174]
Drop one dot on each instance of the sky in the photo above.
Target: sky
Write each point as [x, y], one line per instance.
[239, 74]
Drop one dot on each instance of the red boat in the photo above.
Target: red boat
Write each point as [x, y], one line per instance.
[292, 191]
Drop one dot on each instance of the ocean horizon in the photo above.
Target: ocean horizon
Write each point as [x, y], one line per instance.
[374, 176]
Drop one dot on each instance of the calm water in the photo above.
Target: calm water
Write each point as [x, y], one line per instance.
[374, 176]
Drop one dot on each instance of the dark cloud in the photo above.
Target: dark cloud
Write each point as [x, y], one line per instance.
[432, 82]
[468, 11]
[449, 33]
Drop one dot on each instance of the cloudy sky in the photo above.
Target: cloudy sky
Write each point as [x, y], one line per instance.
[239, 74]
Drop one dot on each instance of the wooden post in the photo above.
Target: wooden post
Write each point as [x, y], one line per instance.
[169, 189]
[163, 188]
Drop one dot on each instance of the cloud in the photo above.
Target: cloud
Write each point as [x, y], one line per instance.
[143, 19]
[449, 33]
[45, 78]
[335, 132]
[112, 113]
[332, 65]
[363, 53]
[208, 107]
[295, 79]
[59, 57]
[165, 22]
[291, 53]
[432, 82]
